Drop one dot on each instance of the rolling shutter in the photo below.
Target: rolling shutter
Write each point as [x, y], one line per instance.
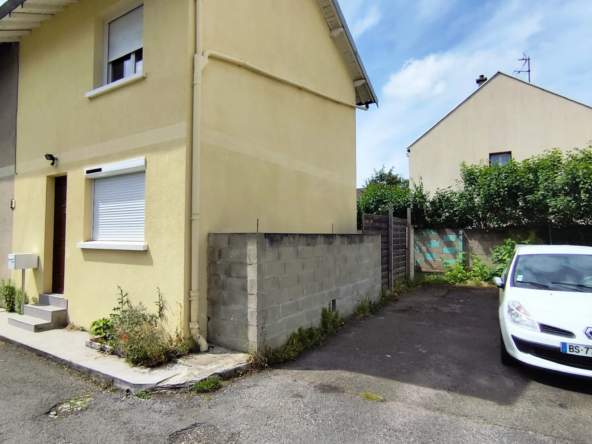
[119, 204]
[126, 34]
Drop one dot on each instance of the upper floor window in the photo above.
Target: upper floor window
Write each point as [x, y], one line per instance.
[124, 45]
[499, 158]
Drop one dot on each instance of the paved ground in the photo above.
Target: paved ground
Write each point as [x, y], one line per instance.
[433, 356]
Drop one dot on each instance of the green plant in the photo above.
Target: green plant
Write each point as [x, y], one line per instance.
[141, 336]
[365, 308]
[103, 328]
[7, 295]
[208, 385]
[456, 273]
[480, 272]
[18, 300]
[143, 395]
[372, 397]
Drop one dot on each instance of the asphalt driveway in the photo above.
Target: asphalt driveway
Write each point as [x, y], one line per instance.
[433, 356]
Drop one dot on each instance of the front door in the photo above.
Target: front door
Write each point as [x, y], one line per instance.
[59, 234]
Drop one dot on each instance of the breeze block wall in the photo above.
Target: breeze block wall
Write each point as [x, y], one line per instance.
[263, 287]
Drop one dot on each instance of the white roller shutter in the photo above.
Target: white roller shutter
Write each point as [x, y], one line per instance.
[119, 204]
[126, 34]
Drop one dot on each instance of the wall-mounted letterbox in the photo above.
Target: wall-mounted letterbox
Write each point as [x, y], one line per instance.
[22, 261]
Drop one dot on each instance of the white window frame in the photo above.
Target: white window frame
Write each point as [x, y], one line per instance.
[109, 170]
[130, 6]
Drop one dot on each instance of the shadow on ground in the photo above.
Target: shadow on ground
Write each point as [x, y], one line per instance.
[443, 338]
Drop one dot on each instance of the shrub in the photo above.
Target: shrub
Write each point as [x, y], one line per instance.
[456, 273]
[480, 272]
[7, 295]
[141, 336]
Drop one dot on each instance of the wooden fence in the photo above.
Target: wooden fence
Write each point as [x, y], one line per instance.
[394, 233]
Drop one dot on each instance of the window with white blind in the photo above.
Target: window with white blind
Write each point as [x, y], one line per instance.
[125, 45]
[119, 204]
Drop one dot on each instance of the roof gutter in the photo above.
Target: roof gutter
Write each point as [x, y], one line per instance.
[9, 6]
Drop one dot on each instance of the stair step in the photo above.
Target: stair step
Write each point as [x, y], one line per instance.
[56, 315]
[30, 323]
[56, 300]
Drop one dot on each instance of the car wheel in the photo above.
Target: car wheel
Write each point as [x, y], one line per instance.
[507, 358]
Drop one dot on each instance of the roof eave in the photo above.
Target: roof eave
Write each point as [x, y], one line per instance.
[9, 6]
[365, 94]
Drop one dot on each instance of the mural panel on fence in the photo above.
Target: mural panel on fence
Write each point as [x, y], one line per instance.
[436, 248]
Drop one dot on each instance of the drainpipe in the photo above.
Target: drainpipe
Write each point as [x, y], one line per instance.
[195, 177]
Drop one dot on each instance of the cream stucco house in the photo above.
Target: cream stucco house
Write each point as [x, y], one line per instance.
[172, 119]
[504, 118]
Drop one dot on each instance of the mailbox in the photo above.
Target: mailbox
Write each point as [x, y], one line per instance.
[22, 261]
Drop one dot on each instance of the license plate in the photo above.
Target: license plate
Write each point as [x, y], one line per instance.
[575, 349]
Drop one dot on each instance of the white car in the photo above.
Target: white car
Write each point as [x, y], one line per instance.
[545, 308]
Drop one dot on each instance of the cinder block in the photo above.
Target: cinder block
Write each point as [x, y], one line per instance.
[267, 284]
[321, 274]
[305, 252]
[306, 277]
[217, 240]
[306, 303]
[292, 293]
[320, 250]
[267, 255]
[288, 253]
[327, 284]
[294, 266]
[345, 291]
[237, 269]
[270, 314]
[271, 269]
[234, 284]
[322, 299]
[272, 329]
[311, 263]
[288, 280]
[273, 297]
[288, 308]
[310, 288]
[341, 280]
[237, 240]
[350, 259]
[295, 321]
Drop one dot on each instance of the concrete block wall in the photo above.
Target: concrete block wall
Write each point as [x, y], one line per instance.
[263, 287]
[434, 249]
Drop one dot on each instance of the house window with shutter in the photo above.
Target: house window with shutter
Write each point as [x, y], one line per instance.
[125, 45]
[119, 208]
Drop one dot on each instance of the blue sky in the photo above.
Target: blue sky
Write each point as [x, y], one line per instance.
[423, 57]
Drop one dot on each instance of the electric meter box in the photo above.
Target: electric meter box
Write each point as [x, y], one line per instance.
[22, 261]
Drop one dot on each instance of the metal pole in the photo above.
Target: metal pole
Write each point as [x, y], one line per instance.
[23, 294]
[410, 271]
[391, 250]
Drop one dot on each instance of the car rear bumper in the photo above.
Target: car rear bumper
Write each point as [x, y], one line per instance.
[543, 350]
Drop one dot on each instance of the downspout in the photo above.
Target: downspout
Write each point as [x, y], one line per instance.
[195, 178]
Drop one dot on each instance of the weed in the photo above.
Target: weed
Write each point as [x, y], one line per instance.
[7, 294]
[372, 397]
[72, 406]
[17, 300]
[143, 395]
[208, 385]
[303, 339]
[238, 373]
[365, 308]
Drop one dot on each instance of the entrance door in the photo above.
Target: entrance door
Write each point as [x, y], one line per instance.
[59, 234]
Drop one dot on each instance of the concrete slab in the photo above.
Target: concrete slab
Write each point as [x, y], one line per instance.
[68, 348]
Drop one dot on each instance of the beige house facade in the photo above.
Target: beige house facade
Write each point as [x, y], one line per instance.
[171, 120]
[505, 118]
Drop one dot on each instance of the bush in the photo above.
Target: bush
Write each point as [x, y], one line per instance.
[140, 335]
[8, 295]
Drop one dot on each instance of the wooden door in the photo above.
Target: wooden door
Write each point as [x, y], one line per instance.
[59, 234]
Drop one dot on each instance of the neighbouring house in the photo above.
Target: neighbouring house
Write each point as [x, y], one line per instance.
[8, 107]
[505, 118]
[144, 126]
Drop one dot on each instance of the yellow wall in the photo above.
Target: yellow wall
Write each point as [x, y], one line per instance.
[270, 151]
[507, 115]
[58, 65]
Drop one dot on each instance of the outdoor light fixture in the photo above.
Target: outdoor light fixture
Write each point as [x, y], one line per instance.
[51, 158]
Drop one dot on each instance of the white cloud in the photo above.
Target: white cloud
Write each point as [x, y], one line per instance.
[424, 89]
[369, 20]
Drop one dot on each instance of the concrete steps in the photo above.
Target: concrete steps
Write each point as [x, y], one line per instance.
[51, 313]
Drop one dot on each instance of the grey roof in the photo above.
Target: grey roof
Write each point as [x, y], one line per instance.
[499, 73]
[365, 94]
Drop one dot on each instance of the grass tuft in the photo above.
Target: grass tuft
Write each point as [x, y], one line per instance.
[372, 397]
[208, 385]
[143, 395]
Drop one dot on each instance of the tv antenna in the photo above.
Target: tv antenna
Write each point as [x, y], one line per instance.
[526, 63]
